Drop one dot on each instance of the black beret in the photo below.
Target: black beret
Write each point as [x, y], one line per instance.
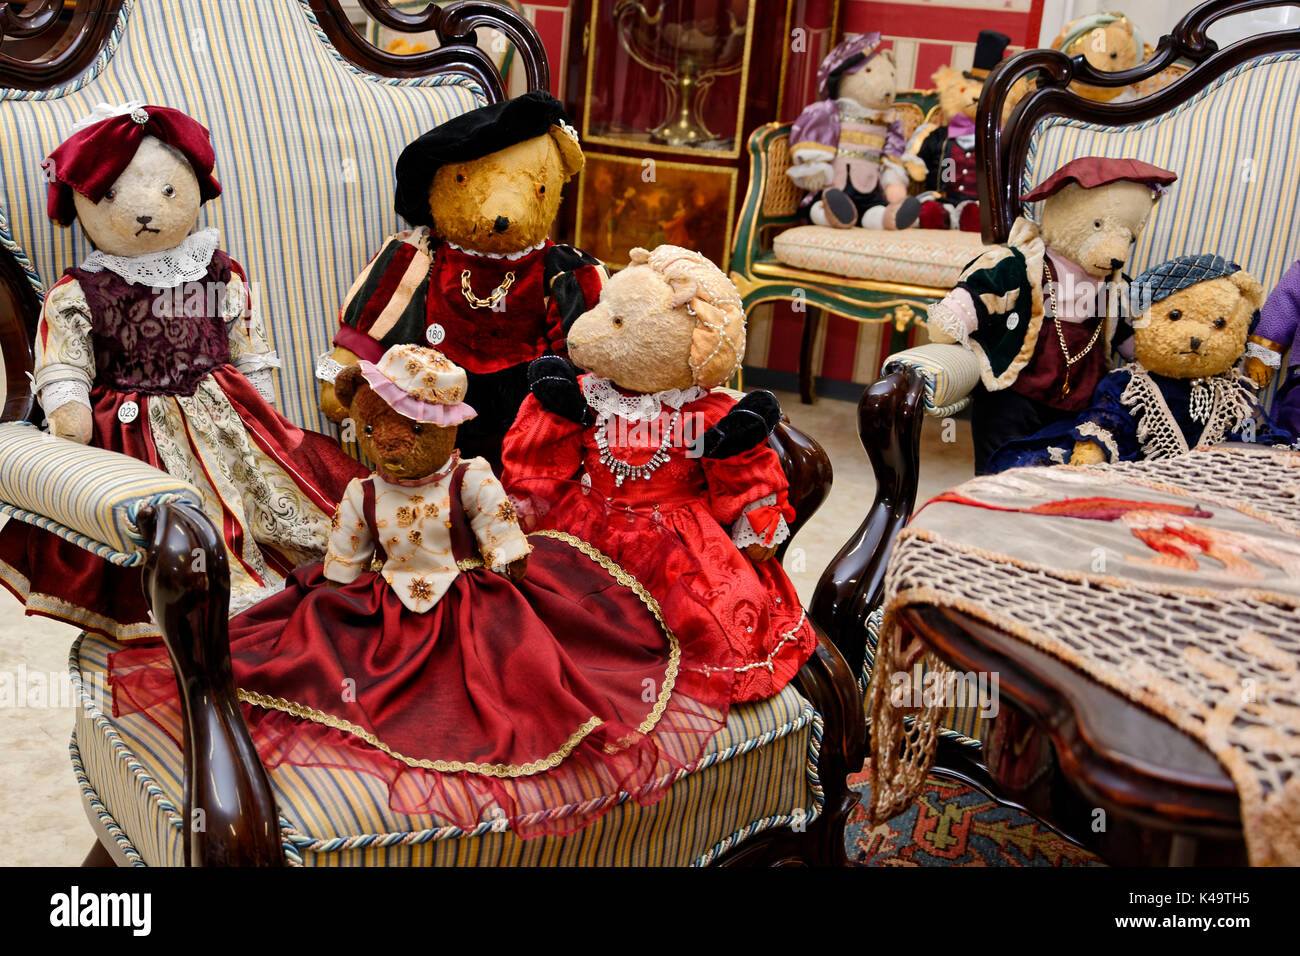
[470, 135]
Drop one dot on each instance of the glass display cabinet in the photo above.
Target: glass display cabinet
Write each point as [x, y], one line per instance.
[665, 94]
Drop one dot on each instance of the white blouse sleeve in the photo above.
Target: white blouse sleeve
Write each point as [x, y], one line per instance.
[351, 542]
[492, 517]
[250, 352]
[65, 359]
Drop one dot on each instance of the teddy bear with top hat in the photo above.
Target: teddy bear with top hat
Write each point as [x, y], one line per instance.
[151, 347]
[1191, 317]
[848, 149]
[647, 432]
[1042, 312]
[478, 275]
[490, 674]
[951, 200]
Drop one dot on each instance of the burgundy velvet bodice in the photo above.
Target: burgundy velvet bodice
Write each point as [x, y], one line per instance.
[157, 341]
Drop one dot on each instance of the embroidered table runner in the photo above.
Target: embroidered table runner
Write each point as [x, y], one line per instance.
[1174, 582]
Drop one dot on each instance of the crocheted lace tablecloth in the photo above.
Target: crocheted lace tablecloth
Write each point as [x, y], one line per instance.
[1174, 582]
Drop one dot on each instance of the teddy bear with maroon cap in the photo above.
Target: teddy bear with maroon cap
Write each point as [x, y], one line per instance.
[151, 347]
[478, 276]
[1041, 313]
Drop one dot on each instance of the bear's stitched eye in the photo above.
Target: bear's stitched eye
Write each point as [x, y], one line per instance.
[541, 190]
[1220, 322]
[618, 321]
[1175, 315]
[460, 177]
[370, 429]
[417, 428]
[1096, 224]
[169, 190]
[110, 195]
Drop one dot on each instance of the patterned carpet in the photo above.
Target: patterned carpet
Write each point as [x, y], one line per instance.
[955, 825]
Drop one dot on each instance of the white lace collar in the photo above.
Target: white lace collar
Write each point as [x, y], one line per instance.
[498, 255]
[162, 270]
[605, 399]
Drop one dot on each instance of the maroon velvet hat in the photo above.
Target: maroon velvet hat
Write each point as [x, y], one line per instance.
[91, 159]
[1093, 171]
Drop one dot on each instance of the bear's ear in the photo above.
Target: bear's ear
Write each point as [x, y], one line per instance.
[943, 76]
[570, 152]
[889, 55]
[1250, 288]
[346, 384]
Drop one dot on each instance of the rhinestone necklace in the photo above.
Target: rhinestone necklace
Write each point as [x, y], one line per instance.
[490, 302]
[622, 470]
[1070, 360]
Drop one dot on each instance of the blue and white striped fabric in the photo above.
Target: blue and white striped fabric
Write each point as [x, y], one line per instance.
[951, 372]
[305, 144]
[43, 481]
[1234, 147]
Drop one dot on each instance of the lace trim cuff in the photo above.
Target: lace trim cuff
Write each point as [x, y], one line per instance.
[1102, 436]
[743, 533]
[57, 394]
[257, 362]
[53, 372]
[1264, 354]
[326, 368]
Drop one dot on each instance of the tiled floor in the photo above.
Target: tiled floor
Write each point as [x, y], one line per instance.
[41, 819]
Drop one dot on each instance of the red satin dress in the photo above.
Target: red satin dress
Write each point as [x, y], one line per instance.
[746, 614]
[538, 703]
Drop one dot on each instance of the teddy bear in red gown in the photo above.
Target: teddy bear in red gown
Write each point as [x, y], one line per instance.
[646, 433]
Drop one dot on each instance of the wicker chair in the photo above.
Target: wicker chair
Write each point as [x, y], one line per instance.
[772, 786]
[862, 274]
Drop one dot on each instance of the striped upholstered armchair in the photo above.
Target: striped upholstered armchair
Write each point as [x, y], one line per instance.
[307, 119]
[1236, 198]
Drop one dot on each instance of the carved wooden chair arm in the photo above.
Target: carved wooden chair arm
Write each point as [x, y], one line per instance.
[890, 415]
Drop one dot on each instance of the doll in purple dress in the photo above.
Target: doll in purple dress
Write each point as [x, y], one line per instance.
[1277, 332]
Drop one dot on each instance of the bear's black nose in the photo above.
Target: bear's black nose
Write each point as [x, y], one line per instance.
[501, 224]
[1117, 263]
[1195, 343]
[144, 220]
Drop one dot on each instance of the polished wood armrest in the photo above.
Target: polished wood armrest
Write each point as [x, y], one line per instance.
[229, 810]
[890, 415]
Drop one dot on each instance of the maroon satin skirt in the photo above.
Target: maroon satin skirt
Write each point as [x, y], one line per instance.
[540, 703]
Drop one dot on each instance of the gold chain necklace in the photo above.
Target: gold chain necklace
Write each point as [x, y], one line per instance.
[491, 301]
[1060, 334]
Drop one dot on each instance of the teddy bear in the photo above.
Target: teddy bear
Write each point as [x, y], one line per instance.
[487, 674]
[1042, 312]
[1191, 318]
[647, 433]
[1276, 335]
[478, 275]
[948, 150]
[150, 347]
[1111, 44]
[847, 150]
